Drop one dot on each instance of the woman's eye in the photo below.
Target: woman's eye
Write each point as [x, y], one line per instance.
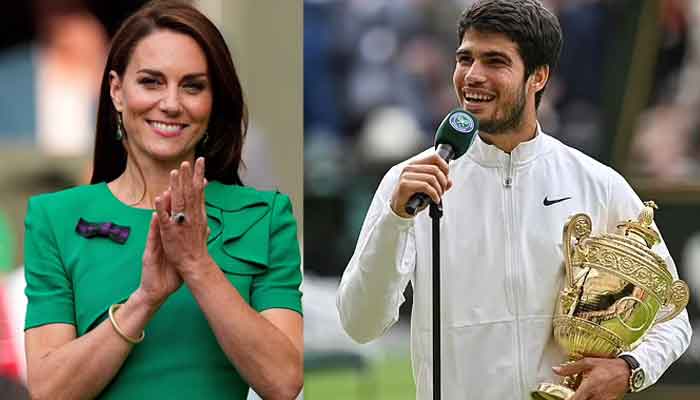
[194, 87]
[148, 82]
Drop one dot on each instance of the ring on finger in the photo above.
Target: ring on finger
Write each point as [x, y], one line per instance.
[179, 218]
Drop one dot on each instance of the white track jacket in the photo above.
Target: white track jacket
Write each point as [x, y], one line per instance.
[501, 267]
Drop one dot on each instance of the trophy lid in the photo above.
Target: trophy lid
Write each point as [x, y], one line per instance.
[641, 229]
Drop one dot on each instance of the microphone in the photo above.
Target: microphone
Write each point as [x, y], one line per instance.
[452, 139]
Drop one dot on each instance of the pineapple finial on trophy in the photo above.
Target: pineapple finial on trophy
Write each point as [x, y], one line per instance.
[641, 229]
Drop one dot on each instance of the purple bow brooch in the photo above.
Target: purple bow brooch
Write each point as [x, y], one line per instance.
[109, 230]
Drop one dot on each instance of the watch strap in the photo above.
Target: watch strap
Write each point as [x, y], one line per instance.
[631, 361]
[637, 376]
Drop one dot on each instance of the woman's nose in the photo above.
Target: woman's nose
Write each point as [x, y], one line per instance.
[170, 103]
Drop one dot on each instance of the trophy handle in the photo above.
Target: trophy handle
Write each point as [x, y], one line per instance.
[579, 227]
[680, 294]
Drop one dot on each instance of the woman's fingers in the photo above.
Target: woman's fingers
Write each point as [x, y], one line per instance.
[186, 184]
[186, 194]
[162, 211]
[167, 200]
[184, 244]
[198, 181]
[152, 241]
[198, 178]
[199, 184]
[177, 199]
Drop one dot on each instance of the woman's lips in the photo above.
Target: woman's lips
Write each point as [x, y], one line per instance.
[166, 129]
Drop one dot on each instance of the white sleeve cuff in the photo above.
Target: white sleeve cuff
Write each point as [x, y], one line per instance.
[400, 222]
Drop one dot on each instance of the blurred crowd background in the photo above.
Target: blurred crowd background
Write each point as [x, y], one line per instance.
[52, 55]
[378, 80]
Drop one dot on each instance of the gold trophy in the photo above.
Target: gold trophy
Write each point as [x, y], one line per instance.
[616, 289]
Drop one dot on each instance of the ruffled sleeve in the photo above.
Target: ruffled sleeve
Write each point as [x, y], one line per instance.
[254, 234]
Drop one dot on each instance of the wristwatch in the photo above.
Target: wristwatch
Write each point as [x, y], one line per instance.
[636, 373]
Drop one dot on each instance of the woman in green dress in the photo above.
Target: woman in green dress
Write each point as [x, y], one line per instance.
[164, 278]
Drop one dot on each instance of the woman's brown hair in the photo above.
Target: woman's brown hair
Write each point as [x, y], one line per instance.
[229, 118]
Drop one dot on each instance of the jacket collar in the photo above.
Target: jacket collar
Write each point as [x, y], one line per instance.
[232, 197]
[491, 156]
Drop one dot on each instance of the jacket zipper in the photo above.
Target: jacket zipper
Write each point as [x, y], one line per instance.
[508, 180]
[513, 273]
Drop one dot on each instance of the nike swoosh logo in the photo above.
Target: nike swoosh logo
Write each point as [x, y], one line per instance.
[550, 202]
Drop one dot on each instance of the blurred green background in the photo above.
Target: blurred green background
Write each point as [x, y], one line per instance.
[386, 379]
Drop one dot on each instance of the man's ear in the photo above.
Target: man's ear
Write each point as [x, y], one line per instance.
[115, 91]
[539, 77]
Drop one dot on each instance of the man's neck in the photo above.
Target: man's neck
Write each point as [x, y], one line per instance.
[507, 141]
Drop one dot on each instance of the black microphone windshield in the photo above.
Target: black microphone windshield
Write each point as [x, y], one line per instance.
[458, 130]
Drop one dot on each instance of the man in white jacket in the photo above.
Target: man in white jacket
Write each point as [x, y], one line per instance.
[505, 202]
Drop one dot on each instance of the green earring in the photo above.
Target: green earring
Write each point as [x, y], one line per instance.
[206, 138]
[120, 132]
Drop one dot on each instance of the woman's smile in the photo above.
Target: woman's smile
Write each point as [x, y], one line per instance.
[166, 129]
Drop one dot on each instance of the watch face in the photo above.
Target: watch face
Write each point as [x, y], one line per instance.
[637, 380]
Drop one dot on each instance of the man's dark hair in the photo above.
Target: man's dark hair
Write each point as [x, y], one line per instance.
[527, 23]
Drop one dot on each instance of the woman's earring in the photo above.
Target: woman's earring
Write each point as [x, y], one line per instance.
[120, 132]
[206, 138]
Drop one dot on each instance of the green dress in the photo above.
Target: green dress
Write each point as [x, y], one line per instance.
[72, 279]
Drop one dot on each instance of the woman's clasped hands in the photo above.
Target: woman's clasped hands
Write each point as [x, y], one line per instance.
[176, 247]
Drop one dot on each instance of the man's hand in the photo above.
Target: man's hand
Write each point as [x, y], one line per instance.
[424, 175]
[603, 378]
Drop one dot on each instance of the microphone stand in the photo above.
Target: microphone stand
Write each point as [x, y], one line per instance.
[435, 214]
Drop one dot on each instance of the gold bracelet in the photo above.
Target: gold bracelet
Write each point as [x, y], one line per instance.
[112, 309]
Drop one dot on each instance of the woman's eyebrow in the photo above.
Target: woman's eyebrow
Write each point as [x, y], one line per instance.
[150, 72]
[160, 74]
[195, 75]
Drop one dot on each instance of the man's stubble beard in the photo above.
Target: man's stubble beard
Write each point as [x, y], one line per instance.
[512, 119]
